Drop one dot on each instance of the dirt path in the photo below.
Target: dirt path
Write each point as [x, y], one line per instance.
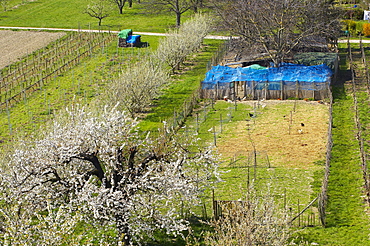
[89, 30]
[16, 44]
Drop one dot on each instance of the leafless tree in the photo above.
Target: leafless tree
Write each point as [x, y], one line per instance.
[120, 4]
[279, 26]
[98, 9]
[196, 4]
[178, 7]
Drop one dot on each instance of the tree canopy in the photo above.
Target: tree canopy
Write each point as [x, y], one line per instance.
[95, 167]
[98, 9]
[278, 27]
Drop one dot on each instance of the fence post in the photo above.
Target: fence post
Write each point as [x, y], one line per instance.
[221, 123]
[214, 136]
[253, 90]
[8, 114]
[282, 90]
[297, 89]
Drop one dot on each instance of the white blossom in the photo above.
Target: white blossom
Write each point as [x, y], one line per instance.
[97, 166]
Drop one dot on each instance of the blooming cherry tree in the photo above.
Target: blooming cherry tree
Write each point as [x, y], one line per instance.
[98, 166]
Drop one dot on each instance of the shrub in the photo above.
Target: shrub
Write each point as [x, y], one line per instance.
[366, 29]
[355, 14]
[359, 27]
[350, 26]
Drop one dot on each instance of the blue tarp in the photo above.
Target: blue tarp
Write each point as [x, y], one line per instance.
[133, 39]
[306, 76]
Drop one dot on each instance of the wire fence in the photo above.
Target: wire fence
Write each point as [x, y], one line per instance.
[358, 80]
[180, 114]
[256, 163]
[323, 196]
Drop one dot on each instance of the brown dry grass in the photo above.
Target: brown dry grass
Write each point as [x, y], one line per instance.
[17, 44]
[274, 133]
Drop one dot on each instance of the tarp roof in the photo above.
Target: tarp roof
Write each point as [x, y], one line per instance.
[317, 58]
[125, 33]
[133, 39]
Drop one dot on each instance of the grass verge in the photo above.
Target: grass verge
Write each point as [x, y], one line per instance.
[347, 220]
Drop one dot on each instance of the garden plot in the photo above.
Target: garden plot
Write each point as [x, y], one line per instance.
[288, 133]
[17, 44]
[281, 143]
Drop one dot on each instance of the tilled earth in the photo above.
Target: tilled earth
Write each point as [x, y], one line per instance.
[16, 44]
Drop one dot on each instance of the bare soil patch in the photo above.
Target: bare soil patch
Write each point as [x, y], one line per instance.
[290, 133]
[17, 44]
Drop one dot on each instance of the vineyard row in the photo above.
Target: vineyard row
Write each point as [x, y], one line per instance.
[19, 80]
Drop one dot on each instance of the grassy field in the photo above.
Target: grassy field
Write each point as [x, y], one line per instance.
[347, 220]
[70, 14]
[347, 212]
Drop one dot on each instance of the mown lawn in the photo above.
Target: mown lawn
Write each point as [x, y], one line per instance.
[70, 14]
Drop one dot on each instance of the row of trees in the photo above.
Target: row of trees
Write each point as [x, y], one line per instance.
[183, 41]
[101, 9]
[141, 82]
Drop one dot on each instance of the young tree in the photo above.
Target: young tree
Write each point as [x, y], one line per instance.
[120, 4]
[277, 26]
[178, 7]
[258, 220]
[177, 45]
[99, 9]
[98, 166]
[136, 86]
[4, 4]
[196, 4]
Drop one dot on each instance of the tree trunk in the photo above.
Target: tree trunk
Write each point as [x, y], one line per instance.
[178, 19]
[120, 9]
[123, 230]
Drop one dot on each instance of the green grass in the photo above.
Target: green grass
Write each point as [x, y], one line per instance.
[291, 187]
[81, 84]
[181, 89]
[70, 14]
[347, 221]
